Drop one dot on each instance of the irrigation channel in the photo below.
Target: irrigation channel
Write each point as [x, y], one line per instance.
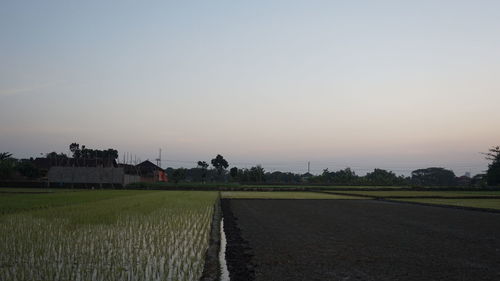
[222, 254]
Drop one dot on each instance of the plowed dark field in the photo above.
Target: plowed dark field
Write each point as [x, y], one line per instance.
[358, 240]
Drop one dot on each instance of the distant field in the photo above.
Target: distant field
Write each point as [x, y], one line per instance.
[474, 203]
[33, 190]
[411, 193]
[320, 186]
[19, 202]
[282, 195]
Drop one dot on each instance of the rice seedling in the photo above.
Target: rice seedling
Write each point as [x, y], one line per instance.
[151, 236]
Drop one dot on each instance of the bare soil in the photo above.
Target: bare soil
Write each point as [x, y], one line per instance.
[358, 240]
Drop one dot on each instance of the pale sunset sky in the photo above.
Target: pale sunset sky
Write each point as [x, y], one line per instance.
[398, 85]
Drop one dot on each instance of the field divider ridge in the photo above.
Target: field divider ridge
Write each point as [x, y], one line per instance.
[212, 267]
[345, 194]
[410, 197]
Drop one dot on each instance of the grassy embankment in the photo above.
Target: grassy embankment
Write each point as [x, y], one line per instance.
[282, 195]
[411, 193]
[105, 235]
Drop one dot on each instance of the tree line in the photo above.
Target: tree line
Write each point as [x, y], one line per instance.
[257, 175]
[433, 176]
[12, 168]
[219, 172]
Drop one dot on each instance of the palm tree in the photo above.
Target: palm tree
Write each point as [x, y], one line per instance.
[5, 155]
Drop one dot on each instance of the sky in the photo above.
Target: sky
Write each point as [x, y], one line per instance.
[398, 85]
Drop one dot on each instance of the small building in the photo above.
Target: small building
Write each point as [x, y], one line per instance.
[87, 172]
[99, 173]
[149, 172]
[129, 169]
[90, 176]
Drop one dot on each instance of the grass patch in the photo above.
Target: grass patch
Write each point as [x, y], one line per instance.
[282, 195]
[475, 203]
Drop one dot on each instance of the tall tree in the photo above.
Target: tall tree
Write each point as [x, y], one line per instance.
[203, 166]
[7, 165]
[345, 176]
[233, 172]
[27, 169]
[5, 155]
[433, 176]
[179, 174]
[257, 174]
[219, 163]
[493, 173]
[381, 177]
[75, 149]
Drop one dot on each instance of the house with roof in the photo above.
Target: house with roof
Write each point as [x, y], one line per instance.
[149, 172]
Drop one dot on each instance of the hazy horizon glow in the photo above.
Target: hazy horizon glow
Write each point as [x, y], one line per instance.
[393, 84]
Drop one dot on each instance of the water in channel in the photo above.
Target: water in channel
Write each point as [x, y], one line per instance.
[222, 253]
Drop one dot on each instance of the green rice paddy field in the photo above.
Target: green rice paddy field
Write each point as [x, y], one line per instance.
[105, 235]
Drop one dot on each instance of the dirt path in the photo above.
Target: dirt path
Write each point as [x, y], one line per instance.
[359, 240]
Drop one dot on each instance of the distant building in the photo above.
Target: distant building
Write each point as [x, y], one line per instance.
[464, 180]
[90, 176]
[150, 172]
[98, 172]
[87, 172]
[129, 169]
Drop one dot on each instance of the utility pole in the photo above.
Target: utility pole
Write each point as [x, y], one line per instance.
[308, 167]
[158, 164]
[158, 160]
